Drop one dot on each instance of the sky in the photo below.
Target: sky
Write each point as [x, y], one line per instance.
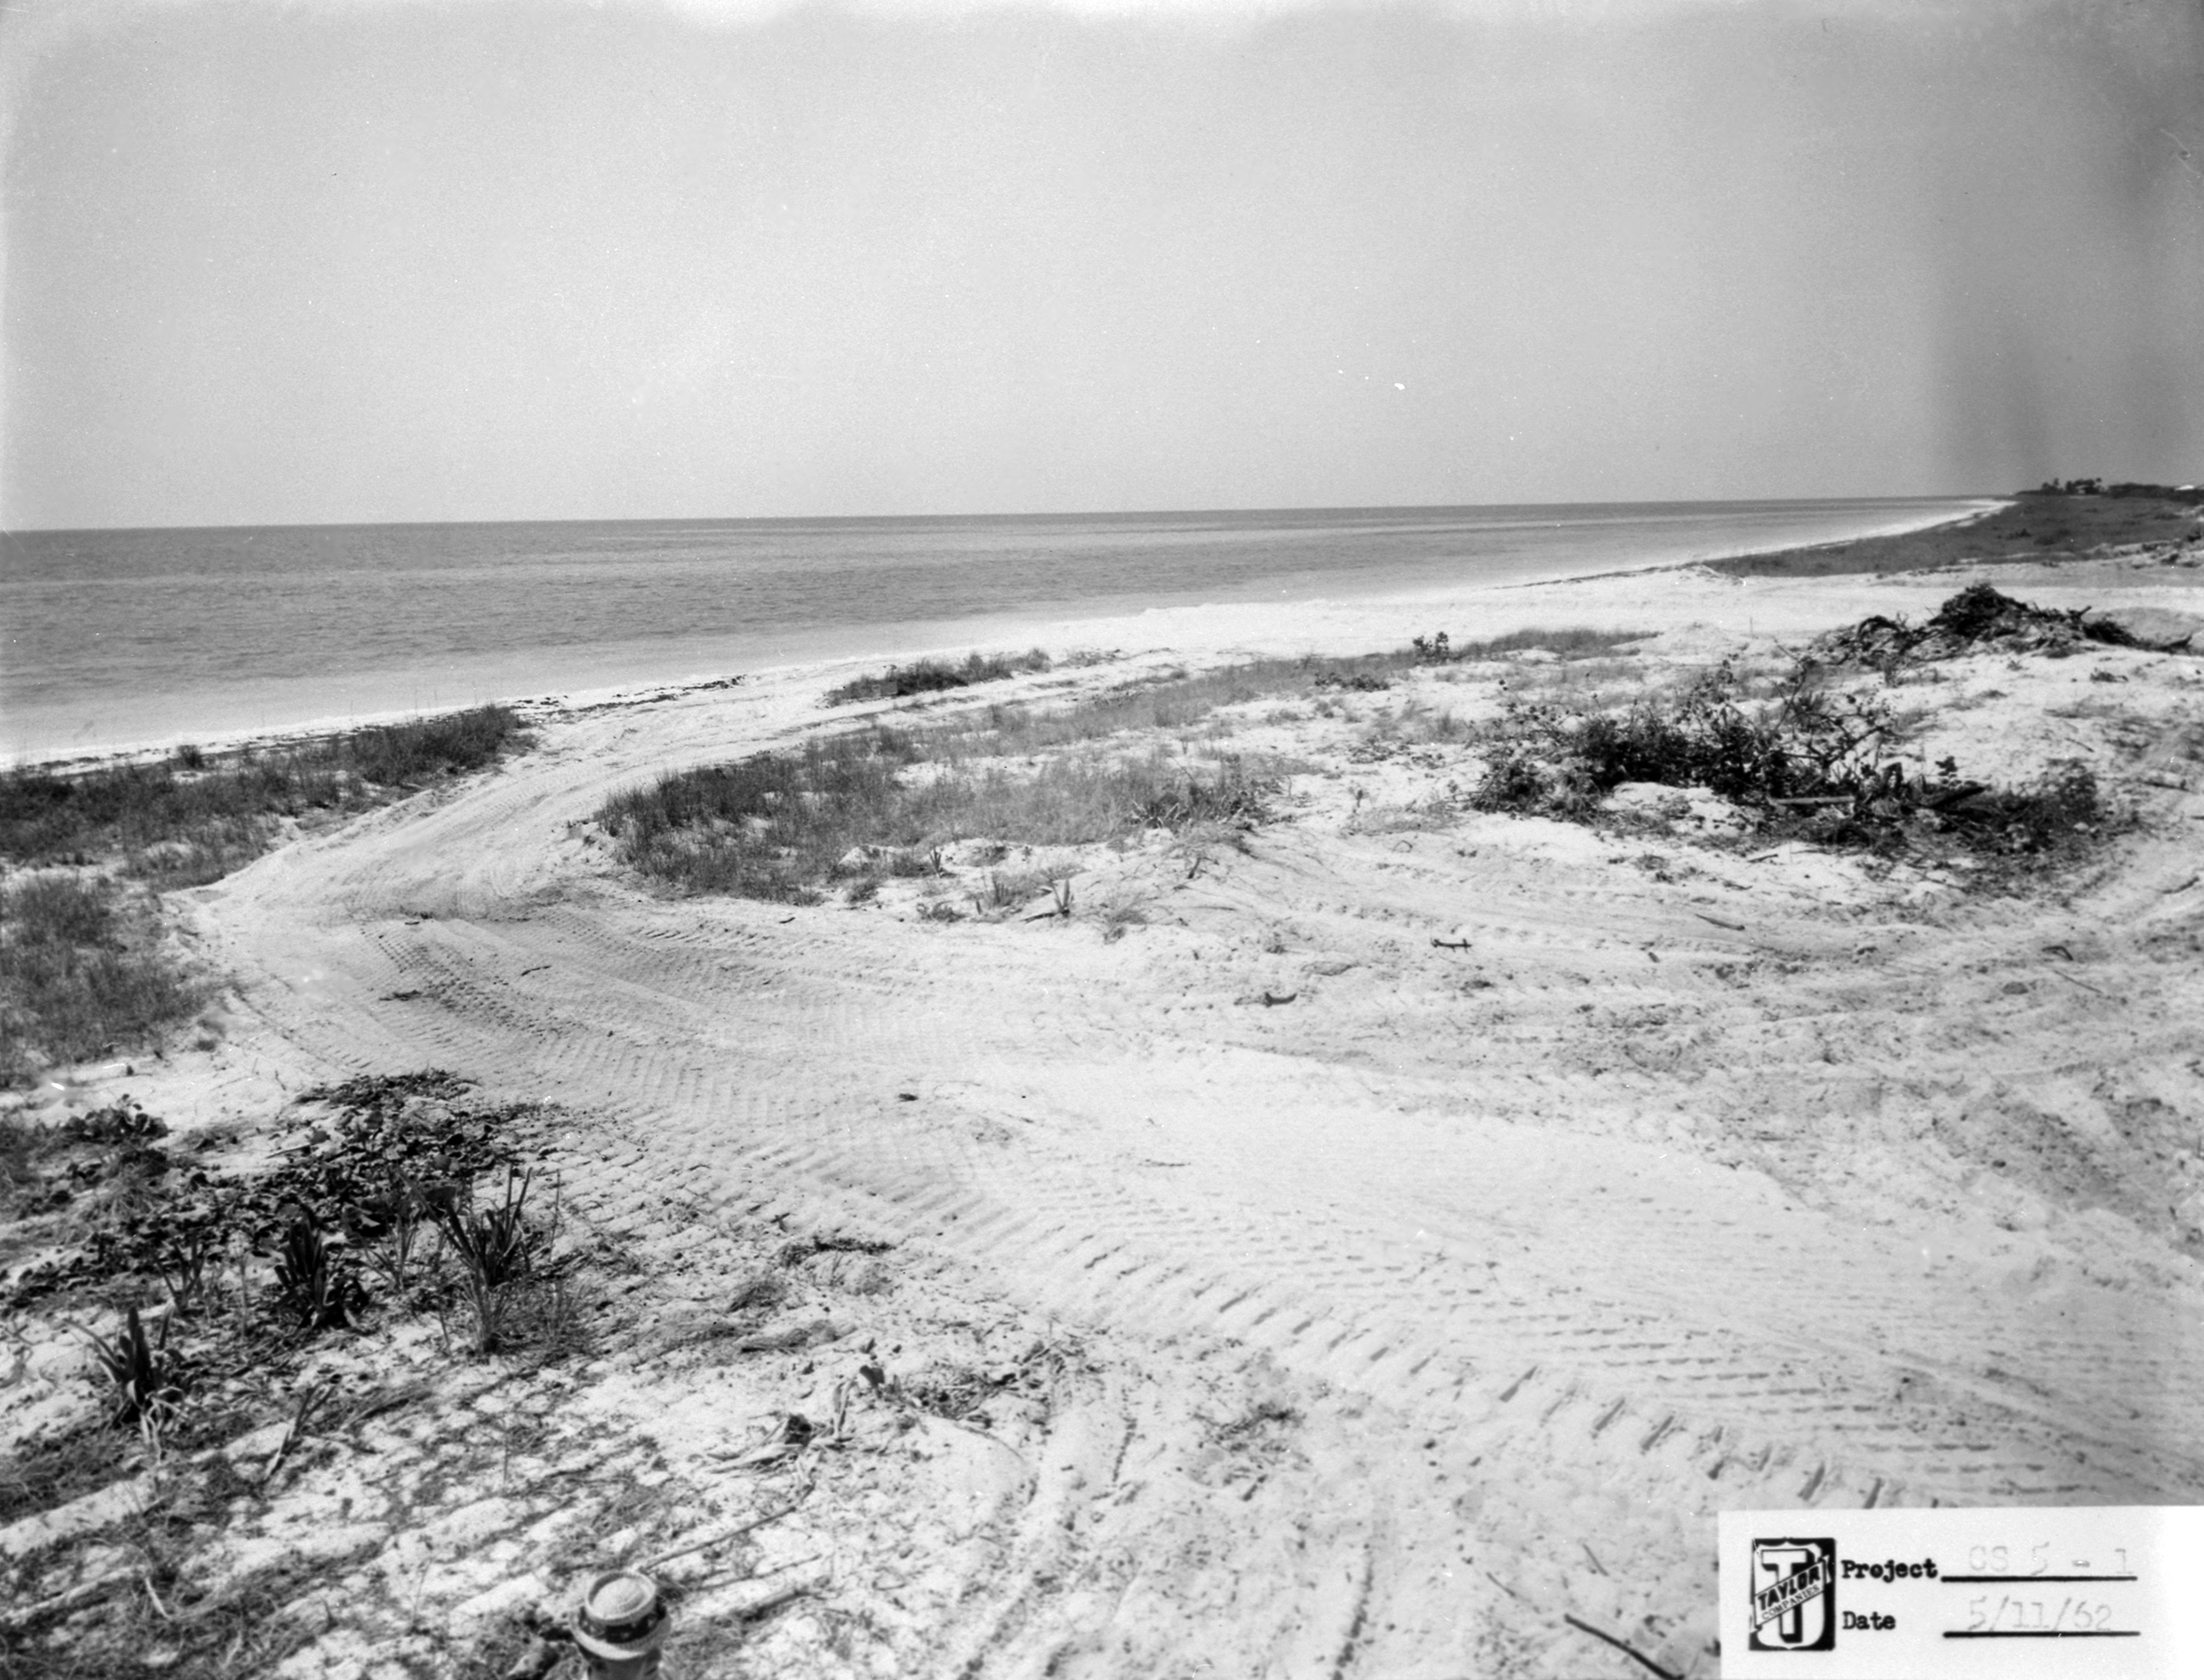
[374, 260]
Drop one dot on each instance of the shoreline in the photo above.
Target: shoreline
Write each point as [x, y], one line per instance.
[987, 634]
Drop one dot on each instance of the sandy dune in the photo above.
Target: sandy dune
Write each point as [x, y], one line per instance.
[1676, 1179]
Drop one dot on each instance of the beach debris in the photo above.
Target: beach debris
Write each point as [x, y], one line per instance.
[721, 1537]
[619, 1626]
[792, 1338]
[764, 1290]
[1634, 1654]
[788, 1437]
[1980, 616]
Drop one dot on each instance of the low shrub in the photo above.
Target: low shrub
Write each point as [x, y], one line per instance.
[1807, 762]
[1807, 741]
[898, 682]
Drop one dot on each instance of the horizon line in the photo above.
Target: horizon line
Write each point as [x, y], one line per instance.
[8, 532]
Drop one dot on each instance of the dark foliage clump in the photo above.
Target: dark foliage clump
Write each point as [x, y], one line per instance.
[1976, 618]
[1805, 763]
[394, 1151]
[900, 681]
[1806, 743]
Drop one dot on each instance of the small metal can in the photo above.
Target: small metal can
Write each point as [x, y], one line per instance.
[620, 1626]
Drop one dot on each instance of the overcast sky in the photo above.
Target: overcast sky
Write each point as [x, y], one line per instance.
[381, 260]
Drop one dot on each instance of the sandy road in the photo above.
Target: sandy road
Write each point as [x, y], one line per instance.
[1643, 1205]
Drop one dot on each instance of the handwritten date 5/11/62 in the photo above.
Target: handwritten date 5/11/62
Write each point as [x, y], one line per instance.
[2007, 1614]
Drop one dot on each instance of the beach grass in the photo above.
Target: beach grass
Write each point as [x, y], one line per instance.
[779, 825]
[83, 968]
[1565, 643]
[83, 972]
[196, 816]
[783, 826]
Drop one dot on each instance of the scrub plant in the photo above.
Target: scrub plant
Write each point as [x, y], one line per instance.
[316, 1288]
[145, 1382]
[496, 1248]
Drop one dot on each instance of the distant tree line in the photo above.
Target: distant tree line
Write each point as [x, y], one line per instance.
[2096, 487]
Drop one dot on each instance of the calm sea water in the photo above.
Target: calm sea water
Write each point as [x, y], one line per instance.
[144, 637]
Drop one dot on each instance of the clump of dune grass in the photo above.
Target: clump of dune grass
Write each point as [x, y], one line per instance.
[197, 816]
[900, 681]
[1569, 643]
[778, 825]
[82, 972]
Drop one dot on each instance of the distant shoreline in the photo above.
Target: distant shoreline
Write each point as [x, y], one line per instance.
[615, 671]
[2018, 529]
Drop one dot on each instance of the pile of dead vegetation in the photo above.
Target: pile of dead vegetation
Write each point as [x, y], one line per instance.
[1977, 620]
[1803, 758]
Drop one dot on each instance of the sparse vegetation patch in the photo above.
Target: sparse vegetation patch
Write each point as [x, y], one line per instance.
[196, 816]
[779, 825]
[1805, 758]
[83, 970]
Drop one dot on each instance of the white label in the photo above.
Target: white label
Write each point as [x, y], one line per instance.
[2051, 1594]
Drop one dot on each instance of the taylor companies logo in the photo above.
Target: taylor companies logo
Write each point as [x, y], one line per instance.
[1794, 1595]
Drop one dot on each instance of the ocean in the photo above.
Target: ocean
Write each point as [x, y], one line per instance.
[137, 638]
